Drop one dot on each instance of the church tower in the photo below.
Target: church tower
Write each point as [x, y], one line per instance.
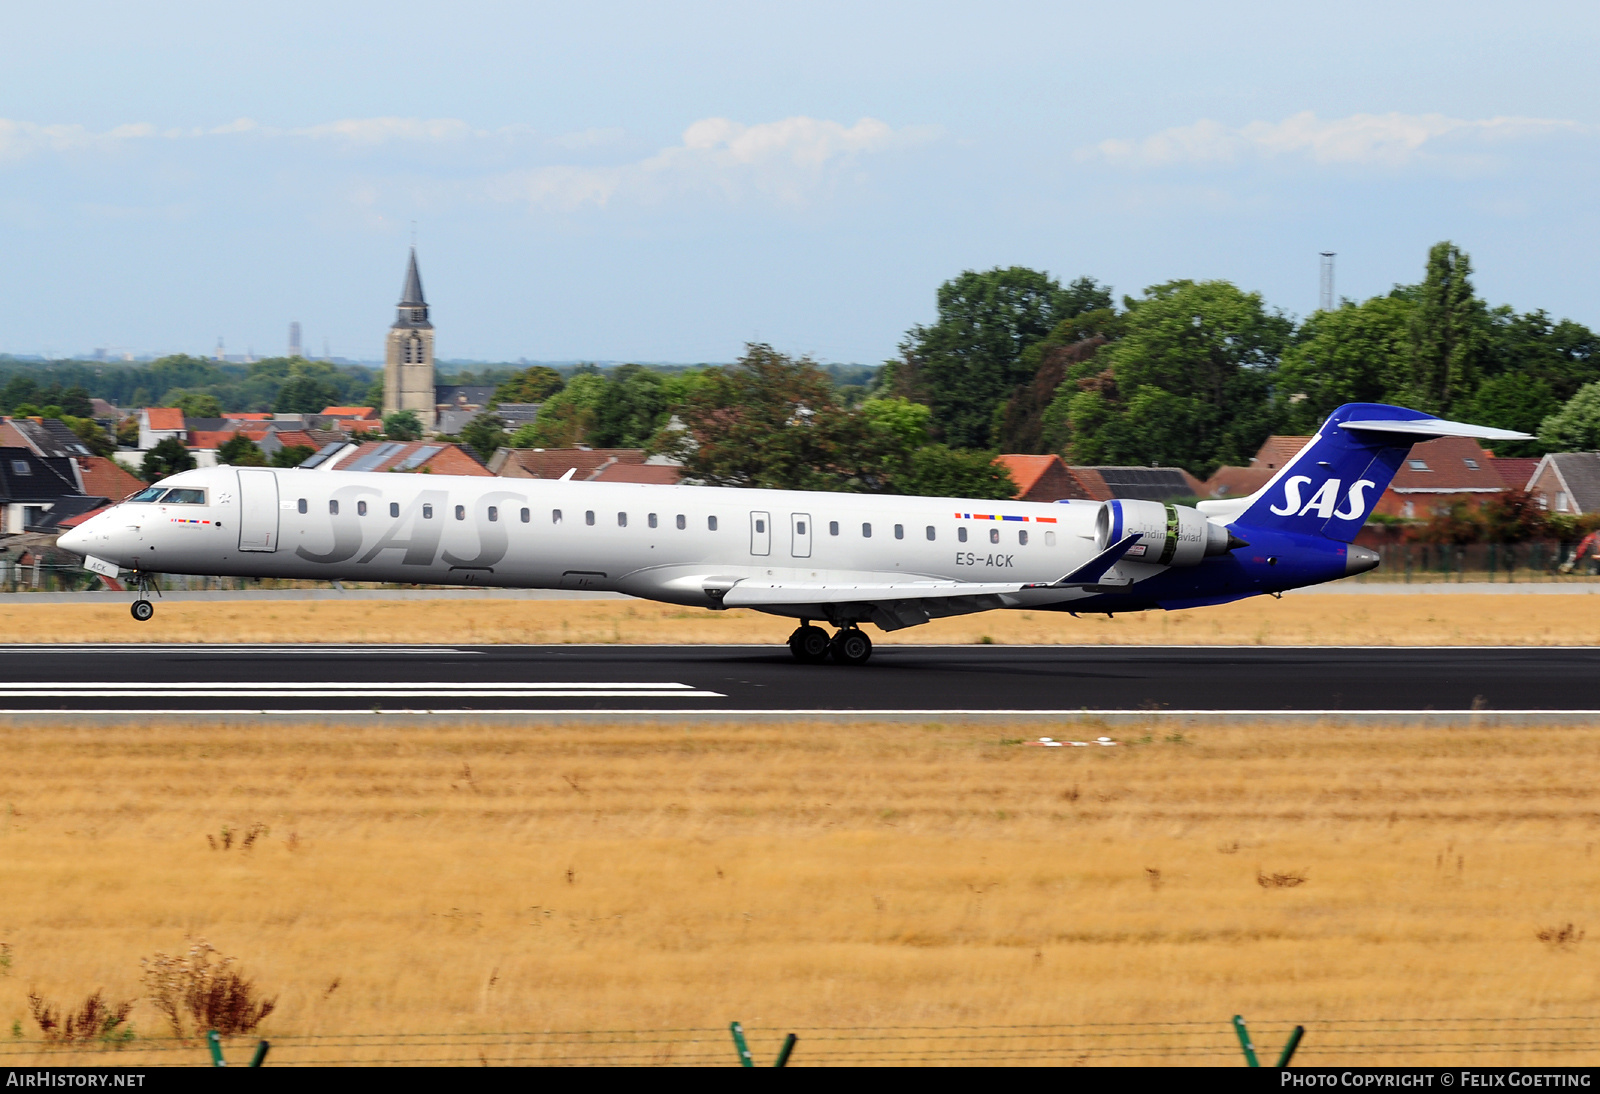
[408, 356]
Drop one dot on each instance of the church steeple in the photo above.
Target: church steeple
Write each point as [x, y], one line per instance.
[408, 354]
[413, 306]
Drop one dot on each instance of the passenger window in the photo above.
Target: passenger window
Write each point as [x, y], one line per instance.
[394, 509]
[994, 535]
[1022, 537]
[555, 516]
[961, 535]
[361, 508]
[1049, 539]
[527, 515]
[302, 506]
[833, 527]
[682, 523]
[652, 520]
[333, 508]
[622, 520]
[930, 533]
[866, 531]
[761, 526]
[427, 512]
[899, 531]
[711, 523]
[494, 514]
[800, 527]
[588, 517]
[461, 512]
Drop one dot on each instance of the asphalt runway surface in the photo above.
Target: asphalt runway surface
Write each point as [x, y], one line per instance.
[987, 680]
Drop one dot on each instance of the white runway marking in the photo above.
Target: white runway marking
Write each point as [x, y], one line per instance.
[335, 689]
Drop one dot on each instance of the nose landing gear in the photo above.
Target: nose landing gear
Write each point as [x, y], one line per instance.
[142, 609]
[811, 645]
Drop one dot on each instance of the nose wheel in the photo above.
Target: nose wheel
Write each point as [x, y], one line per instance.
[142, 609]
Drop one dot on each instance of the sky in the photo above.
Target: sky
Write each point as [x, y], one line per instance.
[655, 182]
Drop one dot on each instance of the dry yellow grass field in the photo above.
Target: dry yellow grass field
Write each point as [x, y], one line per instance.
[460, 879]
[1297, 619]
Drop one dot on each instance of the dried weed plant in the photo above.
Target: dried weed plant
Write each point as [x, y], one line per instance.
[1280, 881]
[94, 1020]
[1563, 937]
[201, 990]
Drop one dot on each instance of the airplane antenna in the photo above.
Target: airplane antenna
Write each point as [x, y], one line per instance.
[1327, 280]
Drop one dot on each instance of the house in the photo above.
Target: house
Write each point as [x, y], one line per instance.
[586, 465]
[1515, 471]
[1044, 478]
[517, 415]
[1568, 482]
[366, 413]
[1138, 483]
[421, 457]
[46, 437]
[1241, 482]
[157, 423]
[105, 412]
[36, 492]
[457, 404]
[107, 478]
[1436, 475]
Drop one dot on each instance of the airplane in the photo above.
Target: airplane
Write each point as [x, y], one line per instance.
[843, 559]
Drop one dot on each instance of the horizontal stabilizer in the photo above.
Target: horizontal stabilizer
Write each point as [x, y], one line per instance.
[1438, 427]
[1091, 572]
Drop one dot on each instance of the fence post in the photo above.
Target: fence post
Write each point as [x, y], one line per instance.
[214, 1043]
[1288, 1048]
[783, 1053]
[1244, 1042]
[261, 1054]
[745, 1059]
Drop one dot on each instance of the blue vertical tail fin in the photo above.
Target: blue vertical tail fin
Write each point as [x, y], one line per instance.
[1330, 487]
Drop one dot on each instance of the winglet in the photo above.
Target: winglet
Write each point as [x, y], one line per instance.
[1092, 571]
[569, 473]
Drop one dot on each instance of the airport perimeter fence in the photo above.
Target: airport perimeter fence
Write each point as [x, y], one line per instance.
[1544, 1041]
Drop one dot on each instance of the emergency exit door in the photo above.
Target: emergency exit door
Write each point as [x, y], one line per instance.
[800, 535]
[760, 533]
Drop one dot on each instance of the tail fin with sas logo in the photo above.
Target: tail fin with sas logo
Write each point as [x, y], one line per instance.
[1330, 487]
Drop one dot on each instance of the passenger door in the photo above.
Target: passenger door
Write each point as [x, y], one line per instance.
[258, 510]
[760, 533]
[800, 535]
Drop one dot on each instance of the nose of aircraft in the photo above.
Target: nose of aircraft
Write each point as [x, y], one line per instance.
[74, 540]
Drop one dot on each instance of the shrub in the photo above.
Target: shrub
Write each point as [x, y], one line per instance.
[94, 1020]
[197, 992]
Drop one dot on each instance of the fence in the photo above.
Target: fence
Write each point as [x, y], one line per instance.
[1563, 1040]
[1494, 562]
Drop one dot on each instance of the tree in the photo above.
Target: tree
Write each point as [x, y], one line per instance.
[1357, 353]
[1576, 426]
[771, 421]
[632, 407]
[292, 455]
[970, 360]
[128, 431]
[241, 451]
[1448, 333]
[167, 458]
[937, 471]
[484, 434]
[534, 384]
[1186, 384]
[305, 394]
[195, 404]
[1513, 516]
[75, 402]
[403, 425]
[91, 434]
[569, 416]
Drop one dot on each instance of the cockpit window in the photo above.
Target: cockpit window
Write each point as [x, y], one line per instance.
[183, 496]
[149, 493]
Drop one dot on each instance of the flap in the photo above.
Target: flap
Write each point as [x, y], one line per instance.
[755, 594]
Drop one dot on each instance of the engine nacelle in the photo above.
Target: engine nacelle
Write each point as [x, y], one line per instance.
[1171, 535]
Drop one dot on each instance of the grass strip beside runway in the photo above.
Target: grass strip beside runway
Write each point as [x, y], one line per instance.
[462, 879]
[1298, 619]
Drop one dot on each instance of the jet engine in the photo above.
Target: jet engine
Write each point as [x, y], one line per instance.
[1171, 535]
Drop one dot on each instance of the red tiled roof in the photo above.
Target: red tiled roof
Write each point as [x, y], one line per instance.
[1237, 482]
[1515, 471]
[106, 478]
[241, 416]
[1445, 468]
[1025, 470]
[165, 417]
[450, 459]
[11, 437]
[552, 463]
[211, 438]
[649, 473]
[358, 425]
[350, 412]
[1278, 450]
[290, 437]
[73, 522]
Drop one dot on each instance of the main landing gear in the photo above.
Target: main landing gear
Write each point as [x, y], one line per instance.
[142, 609]
[811, 645]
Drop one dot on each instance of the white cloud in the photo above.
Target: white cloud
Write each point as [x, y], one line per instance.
[792, 162]
[1385, 140]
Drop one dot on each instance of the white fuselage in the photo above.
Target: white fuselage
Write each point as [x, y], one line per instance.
[658, 542]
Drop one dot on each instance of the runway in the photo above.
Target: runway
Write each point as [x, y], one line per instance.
[697, 680]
